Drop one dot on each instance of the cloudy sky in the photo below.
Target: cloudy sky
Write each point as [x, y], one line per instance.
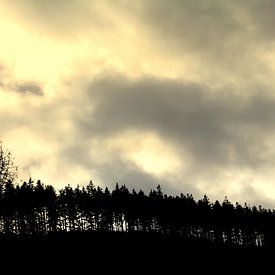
[179, 93]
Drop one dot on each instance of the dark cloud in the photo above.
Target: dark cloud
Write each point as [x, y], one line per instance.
[218, 129]
[31, 88]
[224, 37]
[198, 23]
[8, 81]
[261, 15]
[212, 24]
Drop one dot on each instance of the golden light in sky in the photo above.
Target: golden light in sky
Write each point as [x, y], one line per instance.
[179, 93]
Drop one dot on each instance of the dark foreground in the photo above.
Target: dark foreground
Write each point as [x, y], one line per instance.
[127, 238]
[130, 253]
[109, 242]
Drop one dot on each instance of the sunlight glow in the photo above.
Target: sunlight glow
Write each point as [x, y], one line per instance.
[148, 152]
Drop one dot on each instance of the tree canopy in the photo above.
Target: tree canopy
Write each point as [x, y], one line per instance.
[37, 209]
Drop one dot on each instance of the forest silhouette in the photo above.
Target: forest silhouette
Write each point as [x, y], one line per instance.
[38, 210]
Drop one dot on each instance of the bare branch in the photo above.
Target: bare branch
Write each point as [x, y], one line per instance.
[8, 171]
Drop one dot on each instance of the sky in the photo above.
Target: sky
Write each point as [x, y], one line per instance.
[178, 93]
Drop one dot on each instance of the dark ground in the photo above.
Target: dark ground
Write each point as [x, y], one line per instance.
[128, 253]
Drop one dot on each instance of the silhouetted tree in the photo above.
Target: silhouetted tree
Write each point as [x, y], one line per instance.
[8, 171]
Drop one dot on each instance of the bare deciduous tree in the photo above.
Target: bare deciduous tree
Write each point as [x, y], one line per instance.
[8, 171]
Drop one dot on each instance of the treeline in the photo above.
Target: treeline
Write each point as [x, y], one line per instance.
[36, 209]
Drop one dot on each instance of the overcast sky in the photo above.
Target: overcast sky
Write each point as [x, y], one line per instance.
[178, 93]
